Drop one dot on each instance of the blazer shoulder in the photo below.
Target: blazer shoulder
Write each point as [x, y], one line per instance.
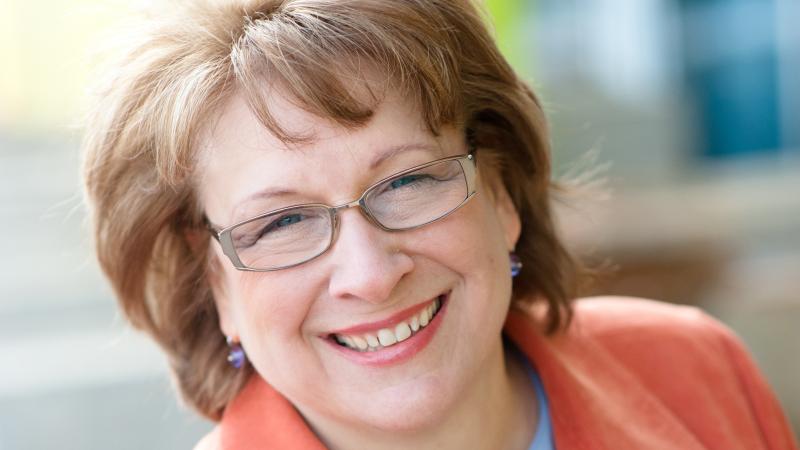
[637, 330]
[660, 343]
[619, 316]
[210, 441]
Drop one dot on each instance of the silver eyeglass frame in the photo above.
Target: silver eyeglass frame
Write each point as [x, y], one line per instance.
[225, 239]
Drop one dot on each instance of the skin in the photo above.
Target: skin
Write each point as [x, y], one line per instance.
[462, 390]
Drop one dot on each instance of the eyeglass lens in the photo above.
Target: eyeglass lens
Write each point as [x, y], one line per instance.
[296, 235]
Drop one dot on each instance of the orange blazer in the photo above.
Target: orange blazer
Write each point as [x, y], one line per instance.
[627, 374]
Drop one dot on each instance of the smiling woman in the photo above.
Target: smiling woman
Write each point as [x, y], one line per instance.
[334, 217]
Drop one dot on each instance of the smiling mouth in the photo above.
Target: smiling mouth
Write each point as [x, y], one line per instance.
[387, 337]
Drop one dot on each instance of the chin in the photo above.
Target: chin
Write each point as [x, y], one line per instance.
[409, 408]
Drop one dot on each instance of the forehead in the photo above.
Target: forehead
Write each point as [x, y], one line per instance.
[240, 157]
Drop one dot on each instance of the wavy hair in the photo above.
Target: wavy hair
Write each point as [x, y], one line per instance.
[140, 144]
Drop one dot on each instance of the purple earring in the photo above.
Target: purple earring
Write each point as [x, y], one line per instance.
[516, 264]
[235, 353]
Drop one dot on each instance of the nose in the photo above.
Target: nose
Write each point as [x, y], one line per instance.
[366, 265]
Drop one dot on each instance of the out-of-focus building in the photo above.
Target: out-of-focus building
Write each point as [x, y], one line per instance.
[692, 109]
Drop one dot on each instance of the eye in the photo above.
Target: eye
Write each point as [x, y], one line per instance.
[283, 228]
[405, 180]
[286, 220]
[273, 228]
[282, 222]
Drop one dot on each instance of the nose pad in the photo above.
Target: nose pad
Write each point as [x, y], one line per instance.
[366, 265]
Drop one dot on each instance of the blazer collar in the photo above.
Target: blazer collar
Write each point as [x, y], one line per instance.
[595, 403]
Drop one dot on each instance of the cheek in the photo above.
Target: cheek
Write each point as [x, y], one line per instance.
[265, 314]
[267, 305]
[484, 237]
[472, 244]
[271, 313]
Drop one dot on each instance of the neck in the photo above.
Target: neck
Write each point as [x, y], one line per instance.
[497, 410]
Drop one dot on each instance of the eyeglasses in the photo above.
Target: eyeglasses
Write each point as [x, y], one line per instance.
[297, 234]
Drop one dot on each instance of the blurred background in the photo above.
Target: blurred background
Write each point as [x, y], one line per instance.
[687, 110]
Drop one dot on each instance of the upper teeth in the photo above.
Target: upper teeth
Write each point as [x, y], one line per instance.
[386, 337]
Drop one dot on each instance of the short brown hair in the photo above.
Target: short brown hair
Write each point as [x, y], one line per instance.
[141, 144]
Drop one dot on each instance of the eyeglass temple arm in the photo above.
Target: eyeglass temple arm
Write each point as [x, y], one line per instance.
[211, 228]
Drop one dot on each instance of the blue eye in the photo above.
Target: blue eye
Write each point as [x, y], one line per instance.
[274, 227]
[404, 180]
[287, 220]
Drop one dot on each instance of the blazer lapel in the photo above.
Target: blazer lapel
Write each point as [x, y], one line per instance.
[261, 418]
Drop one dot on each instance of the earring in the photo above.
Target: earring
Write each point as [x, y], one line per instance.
[236, 355]
[516, 264]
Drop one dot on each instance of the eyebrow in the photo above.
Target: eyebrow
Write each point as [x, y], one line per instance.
[265, 193]
[381, 157]
[394, 150]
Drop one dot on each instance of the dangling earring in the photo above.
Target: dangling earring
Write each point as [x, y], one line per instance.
[516, 264]
[236, 355]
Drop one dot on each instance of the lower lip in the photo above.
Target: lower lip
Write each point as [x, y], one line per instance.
[399, 352]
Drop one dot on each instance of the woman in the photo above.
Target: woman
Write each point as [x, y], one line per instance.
[316, 208]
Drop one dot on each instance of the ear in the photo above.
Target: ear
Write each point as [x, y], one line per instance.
[507, 215]
[200, 244]
[221, 293]
[504, 208]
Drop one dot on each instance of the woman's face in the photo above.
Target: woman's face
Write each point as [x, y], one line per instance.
[369, 279]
